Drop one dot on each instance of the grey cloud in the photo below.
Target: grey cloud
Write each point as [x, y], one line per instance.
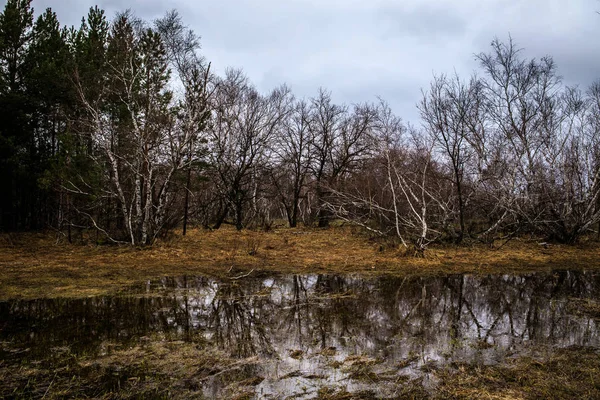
[428, 21]
[147, 9]
[69, 12]
[359, 49]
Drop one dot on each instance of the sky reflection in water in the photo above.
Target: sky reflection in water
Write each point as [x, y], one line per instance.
[303, 328]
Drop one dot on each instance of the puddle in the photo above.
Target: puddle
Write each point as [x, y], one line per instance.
[307, 332]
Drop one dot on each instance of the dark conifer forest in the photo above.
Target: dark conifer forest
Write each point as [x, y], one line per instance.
[119, 129]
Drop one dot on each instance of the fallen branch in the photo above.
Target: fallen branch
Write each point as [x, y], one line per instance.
[242, 276]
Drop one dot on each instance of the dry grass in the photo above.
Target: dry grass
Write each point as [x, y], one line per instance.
[587, 307]
[151, 368]
[564, 374]
[34, 265]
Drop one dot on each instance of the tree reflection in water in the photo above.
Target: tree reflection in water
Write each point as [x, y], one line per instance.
[300, 325]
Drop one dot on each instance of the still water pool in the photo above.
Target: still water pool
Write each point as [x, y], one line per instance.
[296, 334]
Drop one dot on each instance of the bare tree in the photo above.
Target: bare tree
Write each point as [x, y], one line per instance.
[194, 77]
[293, 158]
[340, 141]
[451, 112]
[518, 91]
[398, 191]
[324, 129]
[244, 124]
[570, 184]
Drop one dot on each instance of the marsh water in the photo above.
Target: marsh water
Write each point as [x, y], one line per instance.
[306, 332]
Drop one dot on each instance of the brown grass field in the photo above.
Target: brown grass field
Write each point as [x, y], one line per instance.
[37, 265]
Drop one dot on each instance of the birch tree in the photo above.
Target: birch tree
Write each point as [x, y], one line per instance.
[571, 177]
[399, 192]
[139, 133]
[192, 73]
[518, 92]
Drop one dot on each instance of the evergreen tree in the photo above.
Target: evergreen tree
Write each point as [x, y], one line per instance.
[50, 91]
[78, 176]
[17, 144]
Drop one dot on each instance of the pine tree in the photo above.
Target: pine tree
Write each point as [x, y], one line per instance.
[79, 177]
[129, 124]
[50, 92]
[17, 144]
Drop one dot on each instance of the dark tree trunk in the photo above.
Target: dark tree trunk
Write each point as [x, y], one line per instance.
[239, 217]
[187, 200]
[221, 218]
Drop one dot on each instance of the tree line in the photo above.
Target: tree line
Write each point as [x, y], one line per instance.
[121, 128]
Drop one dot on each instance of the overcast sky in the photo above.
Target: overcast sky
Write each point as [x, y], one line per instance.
[359, 49]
